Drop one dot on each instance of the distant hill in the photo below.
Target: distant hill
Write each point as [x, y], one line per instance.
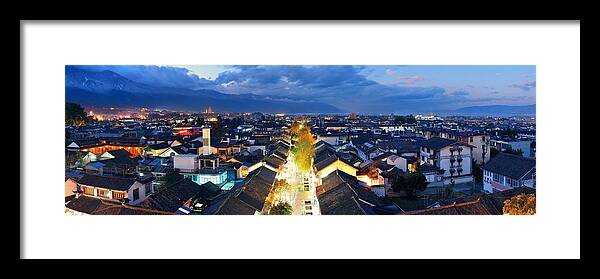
[496, 110]
[107, 88]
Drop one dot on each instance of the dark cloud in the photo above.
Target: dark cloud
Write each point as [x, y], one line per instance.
[318, 77]
[163, 76]
[525, 86]
[343, 86]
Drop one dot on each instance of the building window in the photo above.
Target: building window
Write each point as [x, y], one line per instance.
[103, 193]
[496, 177]
[136, 194]
[148, 188]
[118, 195]
[88, 191]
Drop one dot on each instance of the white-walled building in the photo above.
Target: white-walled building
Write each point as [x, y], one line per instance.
[507, 171]
[523, 145]
[449, 155]
[133, 190]
[186, 162]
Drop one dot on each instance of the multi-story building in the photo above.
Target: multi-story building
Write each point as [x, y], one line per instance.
[203, 168]
[449, 155]
[479, 141]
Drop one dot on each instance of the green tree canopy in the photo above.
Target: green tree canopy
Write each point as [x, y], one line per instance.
[281, 209]
[408, 119]
[303, 149]
[520, 205]
[410, 183]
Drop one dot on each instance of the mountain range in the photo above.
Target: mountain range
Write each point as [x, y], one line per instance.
[107, 88]
[497, 110]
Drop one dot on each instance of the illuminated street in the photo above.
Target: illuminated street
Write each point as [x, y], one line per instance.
[302, 201]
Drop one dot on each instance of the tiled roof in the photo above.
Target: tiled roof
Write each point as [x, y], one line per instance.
[335, 179]
[119, 153]
[157, 146]
[323, 162]
[96, 206]
[172, 197]
[351, 158]
[499, 197]
[257, 186]
[477, 204]
[227, 203]
[326, 155]
[121, 161]
[274, 161]
[480, 205]
[513, 166]
[321, 146]
[393, 172]
[437, 143]
[107, 182]
[382, 165]
[281, 152]
[340, 194]
[234, 206]
[86, 143]
[383, 156]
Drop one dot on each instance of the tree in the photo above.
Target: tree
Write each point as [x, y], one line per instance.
[281, 209]
[449, 189]
[294, 128]
[521, 204]
[493, 152]
[72, 157]
[410, 183]
[280, 188]
[408, 119]
[477, 171]
[217, 126]
[303, 149]
[75, 115]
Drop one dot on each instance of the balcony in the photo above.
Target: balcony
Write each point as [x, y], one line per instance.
[452, 171]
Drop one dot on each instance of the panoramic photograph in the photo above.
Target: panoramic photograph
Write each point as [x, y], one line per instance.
[300, 140]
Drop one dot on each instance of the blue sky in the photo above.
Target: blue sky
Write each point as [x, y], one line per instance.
[403, 88]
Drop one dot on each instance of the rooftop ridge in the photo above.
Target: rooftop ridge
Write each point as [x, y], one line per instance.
[454, 204]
